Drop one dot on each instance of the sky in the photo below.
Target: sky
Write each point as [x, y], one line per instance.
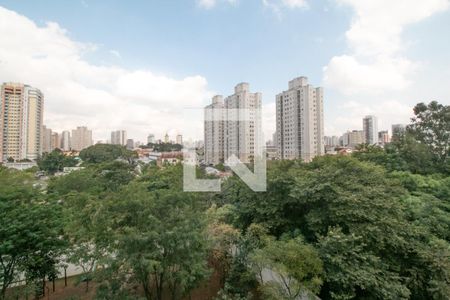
[150, 66]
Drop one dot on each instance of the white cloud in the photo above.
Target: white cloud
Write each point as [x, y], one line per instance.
[277, 6]
[115, 53]
[295, 3]
[376, 59]
[208, 4]
[80, 93]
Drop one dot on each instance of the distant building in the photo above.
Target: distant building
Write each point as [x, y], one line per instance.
[151, 139]
[214, 131]
[299, 114]
[331, 141]
[370, 128]
[81, 138]
[353, 138]
[242, 137]
[179, 139]
[272, 152]
[46, 140]
[398, 130]
[119, 137]
[226, 134]
[21, 122]
[383, 137]
[166, 138]
[56, 141]
[65, 140]
[130, 144]
[169, 158]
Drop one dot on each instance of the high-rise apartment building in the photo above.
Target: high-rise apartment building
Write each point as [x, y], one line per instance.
[65, 140]
[299, 114]
[81, 138]
[383, 137]
[119, 137]
[331, 141]
[242, 130]
[21, 117]
[233, 126]
[46, 140]
[151, 139]
[370, 128]
[214, 131]
[353, 138]
[130, 144]
[56, 141]
[179, 139]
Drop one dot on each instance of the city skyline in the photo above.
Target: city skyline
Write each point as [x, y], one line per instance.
[92, 80]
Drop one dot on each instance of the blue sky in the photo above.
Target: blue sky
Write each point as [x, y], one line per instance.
[220, 43]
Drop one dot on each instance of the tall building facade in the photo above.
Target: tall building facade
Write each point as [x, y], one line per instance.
[214, 131]
[81, 138]
[151, 139]
[56, 141]
[353, 138]
[130, 144]
[383, 137]
[233, 126]
[65, 140]
[299, 115]
[21, 121]
[370, 128]
[46, 140]
[179, 139]
[119, 137]
[331, 140]
[243, 123]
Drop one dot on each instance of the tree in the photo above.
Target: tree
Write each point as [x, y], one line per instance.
[354, 213]
[85, 231]
[294, 268]
[159, 237]
[30, 230]
[105, 152]
[55, 161]
[431, 126]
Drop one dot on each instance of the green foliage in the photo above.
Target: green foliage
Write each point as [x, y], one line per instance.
[29, 231]
[55, 161]
[94, 179]
[422, 149]
[355, 214]
[431, 127]
[158, 235]
[100, 153]
[164, 147]
[294, 267]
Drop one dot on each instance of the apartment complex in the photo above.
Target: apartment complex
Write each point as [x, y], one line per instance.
[383, 137]
[179, 139]
[119, 137]
[46, 139]
[233, 126]
[214, 131]
[65, 140]
[370, 128]
[353, 138]
[81, 138]
[21, 117]
[151, 139]
[299, 121]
